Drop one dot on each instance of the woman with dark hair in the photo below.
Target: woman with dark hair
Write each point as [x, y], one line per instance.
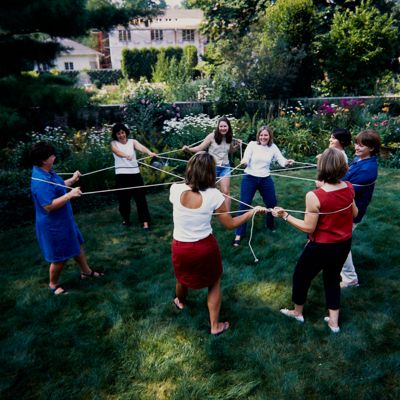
[195, 253]
[127, 174]
[57, 233]
[219, 144]
[328, 221]
[363, 172]
[340, 138]
[258, 157]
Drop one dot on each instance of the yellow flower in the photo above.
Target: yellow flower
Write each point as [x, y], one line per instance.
[282, 113]
[346, 110]
[297, 124]
[385, 109]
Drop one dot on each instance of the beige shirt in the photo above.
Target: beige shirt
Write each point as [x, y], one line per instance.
[220, 152]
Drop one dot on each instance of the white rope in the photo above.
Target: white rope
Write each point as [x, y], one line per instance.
[99, 170]
[169, 152]
[51, 183]
[128, 188]
[319, 213]
[159, 169]
[173, 159]
[232, 169]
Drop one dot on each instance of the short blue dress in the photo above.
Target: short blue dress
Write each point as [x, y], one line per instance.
[57, 233]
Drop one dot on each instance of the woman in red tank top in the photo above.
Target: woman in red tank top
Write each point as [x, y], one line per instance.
[328, 221]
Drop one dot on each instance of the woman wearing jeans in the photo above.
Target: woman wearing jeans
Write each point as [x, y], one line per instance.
[219, 144]
[258, 157]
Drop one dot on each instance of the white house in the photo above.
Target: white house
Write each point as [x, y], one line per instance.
[175, 27]
[77, 58]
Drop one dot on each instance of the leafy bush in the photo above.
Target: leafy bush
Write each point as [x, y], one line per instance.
[146, 111]
[102, 77]
[191, 129]
[138, 63]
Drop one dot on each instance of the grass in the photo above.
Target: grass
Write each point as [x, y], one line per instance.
[121, 338]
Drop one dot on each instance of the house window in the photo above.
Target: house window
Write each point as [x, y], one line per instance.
[124, 35]
[69, 66]
[157, 35]
[188, 35]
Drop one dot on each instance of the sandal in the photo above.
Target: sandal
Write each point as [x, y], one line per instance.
[236, 243]
[224, 329]
[54, 290]
[92, 274]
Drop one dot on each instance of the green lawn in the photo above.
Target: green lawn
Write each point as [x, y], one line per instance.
[121, 338]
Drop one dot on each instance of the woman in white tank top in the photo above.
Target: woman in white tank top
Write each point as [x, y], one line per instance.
[219, 144]
[127, 174]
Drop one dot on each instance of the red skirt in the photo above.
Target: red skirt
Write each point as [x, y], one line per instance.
[197, 264]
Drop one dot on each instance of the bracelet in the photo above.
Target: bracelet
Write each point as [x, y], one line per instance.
[286, 218]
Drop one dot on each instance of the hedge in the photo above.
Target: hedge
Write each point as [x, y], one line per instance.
[102, 77]
[140, 62]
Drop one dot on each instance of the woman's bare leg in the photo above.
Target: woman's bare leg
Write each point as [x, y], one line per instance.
[214, 305]
[225, 185]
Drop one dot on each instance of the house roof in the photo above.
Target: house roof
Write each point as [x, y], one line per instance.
[172, 19]
[76, 49]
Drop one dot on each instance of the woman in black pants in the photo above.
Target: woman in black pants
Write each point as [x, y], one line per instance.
[328, 221]
[127, 174]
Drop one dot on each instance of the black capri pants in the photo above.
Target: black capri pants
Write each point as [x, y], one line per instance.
[328, 257]
[139, 195]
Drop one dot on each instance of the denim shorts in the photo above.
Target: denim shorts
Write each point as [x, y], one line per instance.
[223, 170]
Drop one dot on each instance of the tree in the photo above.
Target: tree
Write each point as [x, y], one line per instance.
[289, 26]
[229, 18]
[359, 49]
[28, 32]
[274, 59]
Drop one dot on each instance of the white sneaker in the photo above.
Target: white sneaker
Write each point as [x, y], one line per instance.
[349, 284]
[335, 329]
[288, 313]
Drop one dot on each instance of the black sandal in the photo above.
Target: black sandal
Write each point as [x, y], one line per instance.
[91, 275]
[64, 291]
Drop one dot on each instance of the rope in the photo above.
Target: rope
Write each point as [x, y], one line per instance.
[128, 188]
[168, 152]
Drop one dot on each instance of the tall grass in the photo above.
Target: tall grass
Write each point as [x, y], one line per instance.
[121, 338]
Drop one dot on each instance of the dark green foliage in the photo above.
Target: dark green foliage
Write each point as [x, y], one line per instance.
[121, 338]
[105, 76]
[227, 18]
[364, 43]
[174, 52]
[29, 100]
[190, 59]
[28, 38]
[138, 63]
[145, 112]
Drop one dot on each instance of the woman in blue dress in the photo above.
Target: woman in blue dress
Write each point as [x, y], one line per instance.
[57, 233]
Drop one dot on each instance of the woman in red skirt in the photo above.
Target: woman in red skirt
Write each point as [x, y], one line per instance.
[195, 253]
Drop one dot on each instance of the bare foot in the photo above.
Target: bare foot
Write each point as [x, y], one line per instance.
[178, 304]
[222, 327]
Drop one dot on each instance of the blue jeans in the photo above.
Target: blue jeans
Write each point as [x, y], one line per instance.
[250, 184]
[223, 170]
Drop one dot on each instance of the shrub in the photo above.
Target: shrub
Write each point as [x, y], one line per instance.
[105, 76]
[191, 129]
[146, 111]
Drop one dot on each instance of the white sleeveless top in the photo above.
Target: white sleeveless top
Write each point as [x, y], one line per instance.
[193, 224]
[122, 165]
[219, 151]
